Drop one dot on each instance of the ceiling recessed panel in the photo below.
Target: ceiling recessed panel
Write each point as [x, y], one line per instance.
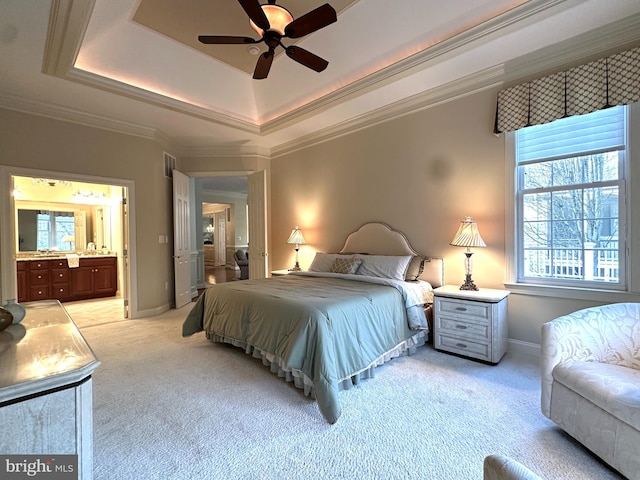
[184, 21]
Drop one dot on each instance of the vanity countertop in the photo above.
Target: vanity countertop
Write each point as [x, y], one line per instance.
[45, 351]
[63, 256]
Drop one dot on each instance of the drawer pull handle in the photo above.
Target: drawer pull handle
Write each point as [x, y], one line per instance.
[39, 276]
[461, 327]
[461, 345]
[461, 309]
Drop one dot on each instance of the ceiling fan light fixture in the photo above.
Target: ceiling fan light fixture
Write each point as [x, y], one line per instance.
[278, 17]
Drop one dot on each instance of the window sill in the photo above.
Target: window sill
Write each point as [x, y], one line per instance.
[596, 295]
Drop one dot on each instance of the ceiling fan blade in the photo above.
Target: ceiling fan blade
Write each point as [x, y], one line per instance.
[225, 40]
[264, 65]
[255, 12]
[310, 22]
[306, 58]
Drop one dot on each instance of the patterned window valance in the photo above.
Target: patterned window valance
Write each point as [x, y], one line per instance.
[604, 83]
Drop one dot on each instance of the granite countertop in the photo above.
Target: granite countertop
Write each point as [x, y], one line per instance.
[63, 256]
[46, 350]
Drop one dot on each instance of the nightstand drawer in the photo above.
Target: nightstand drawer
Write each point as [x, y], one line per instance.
[462, 346]
[475, 330]
[463, 307]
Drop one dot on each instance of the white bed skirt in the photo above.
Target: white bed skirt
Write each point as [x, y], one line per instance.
[303, 382]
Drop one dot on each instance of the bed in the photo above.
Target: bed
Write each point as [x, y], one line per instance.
[328, 328]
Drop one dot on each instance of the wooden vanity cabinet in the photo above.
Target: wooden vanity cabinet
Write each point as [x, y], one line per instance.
[53, 279]
[95, 277]
[38, 279]
[60, 275]
[23, 282]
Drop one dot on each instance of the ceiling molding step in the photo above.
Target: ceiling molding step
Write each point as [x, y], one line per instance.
[594, 44]
[239, 151]
[404, 66]
[68, 21]
[56, 112]
[488, 78]
[136, 93]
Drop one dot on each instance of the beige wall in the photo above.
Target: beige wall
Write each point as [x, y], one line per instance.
[35, 142]
[421, 174]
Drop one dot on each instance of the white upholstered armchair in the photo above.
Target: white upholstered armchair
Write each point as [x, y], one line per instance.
[591, 381]
[499, 467]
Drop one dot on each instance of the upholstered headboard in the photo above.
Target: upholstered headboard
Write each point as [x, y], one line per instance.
[380, 239]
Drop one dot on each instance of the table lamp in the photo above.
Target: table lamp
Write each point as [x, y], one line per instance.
[68, 239]
[296, 239]
[468, 236]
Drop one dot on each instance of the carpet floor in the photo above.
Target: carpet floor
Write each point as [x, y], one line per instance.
[168, 407]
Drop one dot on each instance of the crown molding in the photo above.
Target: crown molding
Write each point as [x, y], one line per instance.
[57, 112]
[616, 36]
[405, 66]
[468, 85]
[240, 151]
[69, 18]
[606, 40]
[68, 21]
[140, 94]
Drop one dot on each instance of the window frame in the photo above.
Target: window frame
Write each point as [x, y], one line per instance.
[629, 288]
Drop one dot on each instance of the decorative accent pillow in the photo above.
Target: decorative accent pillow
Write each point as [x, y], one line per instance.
[347, 266]
[323, 262]
[415, 269]
[384, 266]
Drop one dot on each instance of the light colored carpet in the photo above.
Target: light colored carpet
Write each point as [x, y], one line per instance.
[168, 407]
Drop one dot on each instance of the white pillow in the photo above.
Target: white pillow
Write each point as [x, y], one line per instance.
[385, 266]
[323, 262]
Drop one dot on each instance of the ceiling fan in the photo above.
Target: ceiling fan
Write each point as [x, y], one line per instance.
[273, 22]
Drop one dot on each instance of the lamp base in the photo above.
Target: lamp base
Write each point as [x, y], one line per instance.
[296, 268]
[468, 284]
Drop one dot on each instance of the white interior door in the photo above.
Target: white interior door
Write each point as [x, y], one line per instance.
[181, 242]
[257, 203]
[221, 244]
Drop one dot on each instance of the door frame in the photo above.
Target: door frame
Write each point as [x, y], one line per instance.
[8, 280]
[241, 173]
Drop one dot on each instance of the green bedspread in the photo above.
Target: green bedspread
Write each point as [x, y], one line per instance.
[328, 328]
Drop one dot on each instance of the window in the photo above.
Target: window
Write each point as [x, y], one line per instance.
[570, 201]
[55, 231]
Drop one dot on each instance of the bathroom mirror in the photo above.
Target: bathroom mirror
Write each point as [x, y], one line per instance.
[64, 230]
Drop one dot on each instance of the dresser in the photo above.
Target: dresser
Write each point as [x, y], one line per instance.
[471, 323]
[46, 387]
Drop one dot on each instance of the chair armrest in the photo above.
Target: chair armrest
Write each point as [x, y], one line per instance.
[608, 334]
[499, 467]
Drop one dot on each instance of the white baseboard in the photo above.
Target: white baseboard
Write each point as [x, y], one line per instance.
[526, 348]
[151, 312]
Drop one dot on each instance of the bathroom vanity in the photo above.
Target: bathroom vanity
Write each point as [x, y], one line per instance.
[58, 278]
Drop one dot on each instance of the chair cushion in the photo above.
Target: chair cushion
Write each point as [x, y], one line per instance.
[613, 388]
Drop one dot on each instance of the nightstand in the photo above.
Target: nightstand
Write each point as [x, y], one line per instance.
[472, 323]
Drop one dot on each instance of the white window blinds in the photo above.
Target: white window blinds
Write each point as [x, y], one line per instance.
[601, 131]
